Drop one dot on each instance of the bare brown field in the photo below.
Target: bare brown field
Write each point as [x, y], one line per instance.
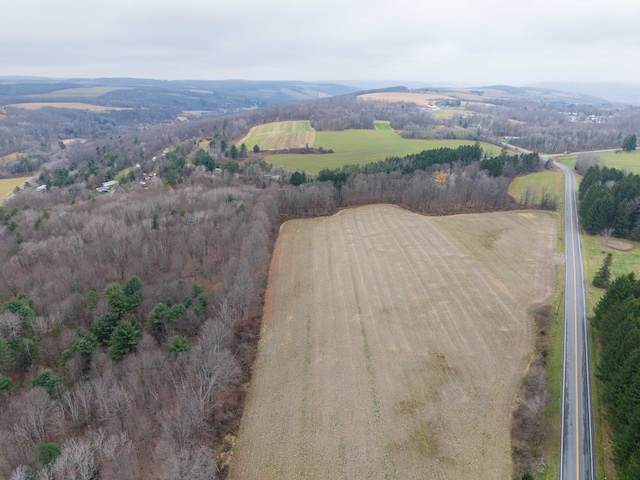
[393, 345]
[422, 99]
[75, 105]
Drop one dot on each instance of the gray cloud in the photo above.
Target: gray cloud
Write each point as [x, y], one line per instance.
[456, 41]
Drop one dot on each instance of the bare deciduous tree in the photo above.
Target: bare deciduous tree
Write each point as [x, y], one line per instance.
[36, 408]
[10, 325]
[21, 473]
[195, 463]
[584, 161]
[77, 461]
[607, 233]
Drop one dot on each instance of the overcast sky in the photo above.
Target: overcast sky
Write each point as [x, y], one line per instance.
[460, 42]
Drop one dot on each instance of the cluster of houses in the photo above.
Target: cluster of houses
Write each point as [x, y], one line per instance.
[269, 178]
[582, 118]
[106, 186]
[147, 179]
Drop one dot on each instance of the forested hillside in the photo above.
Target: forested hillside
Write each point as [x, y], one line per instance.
[66, 136]
[128, 330]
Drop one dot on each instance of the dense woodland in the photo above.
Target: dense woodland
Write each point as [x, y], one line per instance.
[129, 321]
[129, 330]
[617, 321]
[610, 202]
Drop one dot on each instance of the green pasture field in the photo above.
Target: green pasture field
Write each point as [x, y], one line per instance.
[551, 181]
[386, 126]
[594, 252]
[629, 161]
[363, 146]
[8, 185]
[567, 160]
[80, 92]
[450, 112]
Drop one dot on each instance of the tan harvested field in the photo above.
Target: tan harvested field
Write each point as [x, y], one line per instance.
[8, 185]
[422, 99]
[74, 105]
[393, 345]
[280, 135]
[70, 141]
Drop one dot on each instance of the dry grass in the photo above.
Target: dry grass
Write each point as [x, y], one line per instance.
[8, 185]
[12, 157]
[74, 105]
[70, 141]
[280, 135]
[619, 245]
[393, 345]
[422, 99]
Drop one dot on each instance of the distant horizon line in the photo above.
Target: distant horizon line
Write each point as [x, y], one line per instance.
[346, 82]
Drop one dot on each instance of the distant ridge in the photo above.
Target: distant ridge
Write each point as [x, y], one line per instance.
[210, 95]
[628, 93]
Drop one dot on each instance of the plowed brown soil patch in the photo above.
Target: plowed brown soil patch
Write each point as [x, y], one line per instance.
[393, 345]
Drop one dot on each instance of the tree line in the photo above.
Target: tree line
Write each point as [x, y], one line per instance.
[441, 181]
[610, 201]
[617, 322]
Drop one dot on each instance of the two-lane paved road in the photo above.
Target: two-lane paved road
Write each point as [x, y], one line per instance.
[577, 461]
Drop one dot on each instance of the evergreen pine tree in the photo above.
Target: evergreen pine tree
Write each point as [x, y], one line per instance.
[602, 277]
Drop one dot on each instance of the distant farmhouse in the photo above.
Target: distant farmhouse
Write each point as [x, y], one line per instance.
[106, 186]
